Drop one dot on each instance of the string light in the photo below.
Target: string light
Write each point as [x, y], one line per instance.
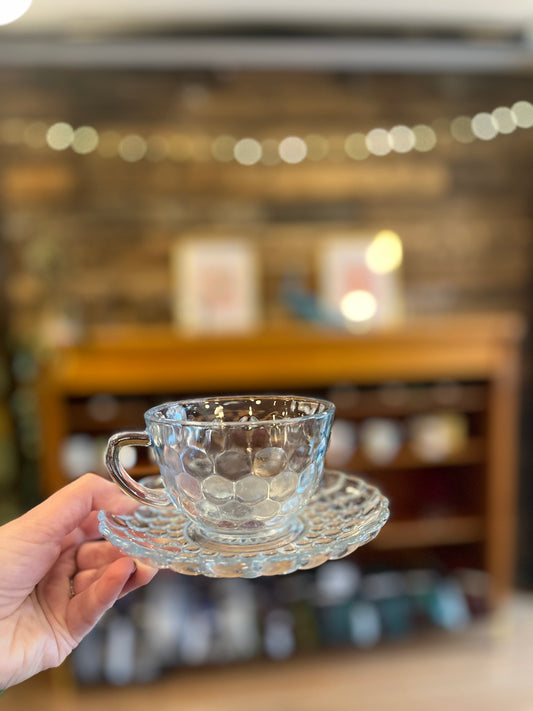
[60, 136]
[523, 114]
[461, 129]
[132, 148]
[504, 119]
[402, 139]
[249, 151]
[222, 148]
[378, 142]
[292, 149]
[425, 138]
[85, 140]
[484, 126]
[355, 146]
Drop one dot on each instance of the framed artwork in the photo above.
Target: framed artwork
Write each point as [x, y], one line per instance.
[215, 284]
[359, 282]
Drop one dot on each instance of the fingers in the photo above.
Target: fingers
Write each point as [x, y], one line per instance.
[69, 507]
[95, 591]
[140, 575]
[88, 531]
[95, 554]
[94, 557]
[83, 579]
[89, 604]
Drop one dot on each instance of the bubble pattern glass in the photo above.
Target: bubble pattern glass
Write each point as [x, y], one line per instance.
[241, 464]
[343, 514]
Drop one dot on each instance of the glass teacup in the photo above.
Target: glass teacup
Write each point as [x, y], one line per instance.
[240, 468]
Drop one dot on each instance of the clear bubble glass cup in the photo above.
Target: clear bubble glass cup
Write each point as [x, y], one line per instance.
[240, 468]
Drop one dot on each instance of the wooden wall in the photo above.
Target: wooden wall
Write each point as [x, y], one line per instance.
[91, 235]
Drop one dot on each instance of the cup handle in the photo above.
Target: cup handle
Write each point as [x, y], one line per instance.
[152, 497]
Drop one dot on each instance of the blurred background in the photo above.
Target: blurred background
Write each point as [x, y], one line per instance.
[187, 190]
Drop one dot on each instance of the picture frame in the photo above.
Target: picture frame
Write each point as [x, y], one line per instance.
[354, 287]
[215, 284]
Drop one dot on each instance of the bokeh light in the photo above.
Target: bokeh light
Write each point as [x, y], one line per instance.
[293, 149]
[504, 119]
[355, 146]
[132, 148]
[35, 134]
[402, 139]
[60, 136]
[484, 126]
[247, 151]
[222, 148]
[523, 113]
[358, 306]
[425, 138]
[378, 142]
[85, 139]
[385, 253]
[461, 129]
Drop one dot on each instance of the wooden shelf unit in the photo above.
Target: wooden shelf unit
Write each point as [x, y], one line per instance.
[481, 353]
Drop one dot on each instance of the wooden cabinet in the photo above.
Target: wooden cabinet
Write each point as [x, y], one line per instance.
[458, 507]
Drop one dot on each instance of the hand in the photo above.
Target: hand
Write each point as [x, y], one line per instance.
[57, 577]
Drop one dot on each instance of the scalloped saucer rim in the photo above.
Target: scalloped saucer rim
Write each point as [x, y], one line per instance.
[345, 513]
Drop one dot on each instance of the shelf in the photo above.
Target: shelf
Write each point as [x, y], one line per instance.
[394, 400]
[469, 366]
[143, 360]
[454, 530]
[473, 453]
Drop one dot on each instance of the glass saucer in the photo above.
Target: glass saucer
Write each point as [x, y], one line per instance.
[344, 514]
